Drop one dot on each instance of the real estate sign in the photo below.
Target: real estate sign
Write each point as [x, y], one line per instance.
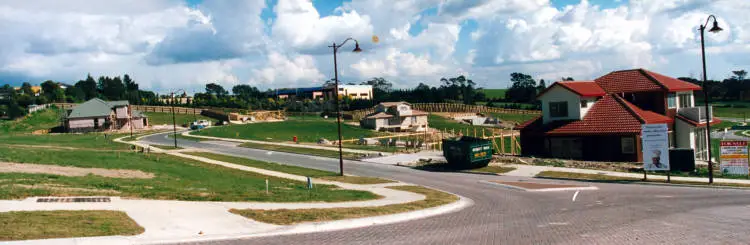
[655, 142]
[734, 157]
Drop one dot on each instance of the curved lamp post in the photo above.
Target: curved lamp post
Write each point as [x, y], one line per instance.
[174, 120]
[714, 29]
[336, 94]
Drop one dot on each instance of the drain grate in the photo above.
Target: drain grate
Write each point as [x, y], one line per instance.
[73, 199]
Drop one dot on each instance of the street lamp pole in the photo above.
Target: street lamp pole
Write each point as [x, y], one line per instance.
[714, 29]
[174, 120]
[336, 95]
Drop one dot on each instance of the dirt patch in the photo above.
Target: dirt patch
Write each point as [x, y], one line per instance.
[63, 188]
[536, 186]
[7, 167]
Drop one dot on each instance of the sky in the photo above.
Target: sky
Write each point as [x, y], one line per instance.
[184, 44]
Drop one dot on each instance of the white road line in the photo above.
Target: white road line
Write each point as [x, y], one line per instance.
[575, 195]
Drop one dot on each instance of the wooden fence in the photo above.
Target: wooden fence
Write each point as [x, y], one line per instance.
[504, 142]
[446, 107]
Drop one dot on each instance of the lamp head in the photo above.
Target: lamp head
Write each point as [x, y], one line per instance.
[356, 47]
[715, 28]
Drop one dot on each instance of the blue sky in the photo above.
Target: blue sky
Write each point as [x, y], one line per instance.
[166, 44]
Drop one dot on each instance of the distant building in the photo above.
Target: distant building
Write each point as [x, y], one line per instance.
[37, 90]
[357, 92]
[395, 116]
[99, 115]
[176, 100]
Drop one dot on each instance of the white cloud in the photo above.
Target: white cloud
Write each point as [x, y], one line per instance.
[398, 65]
[285, 71]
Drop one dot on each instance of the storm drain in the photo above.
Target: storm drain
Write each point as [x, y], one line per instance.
[73, 199]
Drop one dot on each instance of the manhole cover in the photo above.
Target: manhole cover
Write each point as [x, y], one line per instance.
[73, 199]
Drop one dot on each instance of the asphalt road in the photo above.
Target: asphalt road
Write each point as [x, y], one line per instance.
[614, 214]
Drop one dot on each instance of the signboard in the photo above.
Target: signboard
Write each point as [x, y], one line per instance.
[734, 157]
[655, 142]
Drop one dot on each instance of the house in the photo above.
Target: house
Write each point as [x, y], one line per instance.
[356, 92]
[601, 119]
[99, 115]
[37, 90]
[302, 93]
[395, 116]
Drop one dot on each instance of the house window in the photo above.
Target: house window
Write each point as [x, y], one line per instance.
[363, 94]
[558, 109]
[353, 95]
[584, 104]
[685, 100]
[414, 119]
[671, 102]
[627, 145]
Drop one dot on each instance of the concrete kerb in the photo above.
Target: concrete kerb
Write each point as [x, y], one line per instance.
[582, 188]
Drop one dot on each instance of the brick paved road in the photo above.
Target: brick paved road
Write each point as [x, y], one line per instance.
[614, 214]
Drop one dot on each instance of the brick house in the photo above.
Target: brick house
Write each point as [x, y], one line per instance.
[601, 120]
[99, 115]
[395, 116]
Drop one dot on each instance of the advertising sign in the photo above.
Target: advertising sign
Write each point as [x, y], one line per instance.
[734, 157]
[655, 142]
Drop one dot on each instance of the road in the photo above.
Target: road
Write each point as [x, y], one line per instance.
[614, 214]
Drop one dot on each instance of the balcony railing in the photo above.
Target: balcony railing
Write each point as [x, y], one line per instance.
[697, 114]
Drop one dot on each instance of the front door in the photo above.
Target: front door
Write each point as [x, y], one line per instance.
[566, 148]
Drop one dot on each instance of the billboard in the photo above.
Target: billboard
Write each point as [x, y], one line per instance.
[655, 142]
[734, 157]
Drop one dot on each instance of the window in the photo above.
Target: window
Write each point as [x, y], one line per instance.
[558, 109]
[686, 100]
[584, 104]
[671, 102]
[627, 145]
[353, 95]
[363, 94]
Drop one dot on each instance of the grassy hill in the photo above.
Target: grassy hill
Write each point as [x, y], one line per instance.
[45, 119]
[494, 93]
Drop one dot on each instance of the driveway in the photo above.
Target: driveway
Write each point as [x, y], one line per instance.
[614, 214]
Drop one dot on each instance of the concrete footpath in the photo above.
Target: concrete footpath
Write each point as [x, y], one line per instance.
[531, 171]
[189, 221]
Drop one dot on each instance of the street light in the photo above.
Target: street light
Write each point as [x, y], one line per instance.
[714, 29]
[336, 94]
[174, 120]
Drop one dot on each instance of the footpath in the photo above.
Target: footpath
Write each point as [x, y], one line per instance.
[531, 171]
[191, 221]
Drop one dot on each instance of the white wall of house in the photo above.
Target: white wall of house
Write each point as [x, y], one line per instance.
[121, 112]
[683, 134]
[589, 103]
[560, 94]
[81, 123]
[356, 91]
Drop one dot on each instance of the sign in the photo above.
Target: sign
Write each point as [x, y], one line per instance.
[655, 142]
[734, 157]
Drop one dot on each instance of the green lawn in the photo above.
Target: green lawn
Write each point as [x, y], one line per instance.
[315, 173]
[306, 130]
[97, 141]
[494, 93]
[159, 118]
[518, 118]
[175, 179]
[30, 225]
[44, 119]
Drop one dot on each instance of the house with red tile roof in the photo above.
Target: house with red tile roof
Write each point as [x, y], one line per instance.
[601, 120]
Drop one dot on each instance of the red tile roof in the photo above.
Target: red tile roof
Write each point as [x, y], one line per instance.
[640, 80]
[581, 88]
[609, 115]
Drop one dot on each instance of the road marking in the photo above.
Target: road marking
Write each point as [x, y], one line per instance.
[269, 153]
[575, 195]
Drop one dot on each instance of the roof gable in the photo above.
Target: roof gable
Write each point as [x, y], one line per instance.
[581, 88]
[640, 80]
[92, 108]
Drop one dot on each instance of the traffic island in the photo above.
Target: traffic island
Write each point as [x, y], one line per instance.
[433, 198]
[27, 225]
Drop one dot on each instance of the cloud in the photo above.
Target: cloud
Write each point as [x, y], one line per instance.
[300, 70]
[398, 65]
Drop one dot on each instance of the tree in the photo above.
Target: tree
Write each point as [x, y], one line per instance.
[329, 83]
[26, 89]
[523, 88]
[567, 79]
[216, 90]
[246, 92]
[88, 87]
[542, 85]
[380, 88]
[52, 91]
[739, 75]
[111, 88]
[74, 94]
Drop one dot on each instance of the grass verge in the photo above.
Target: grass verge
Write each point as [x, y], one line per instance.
[333, 153]
[315, 173]
[618, 179]
[63, 224]
[175, 179]
[306, 130]
[433, 198]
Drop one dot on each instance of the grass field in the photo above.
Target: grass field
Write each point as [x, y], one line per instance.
[306, 130]
[731, 112]
[64, 224]
[494, 93]
[175, 179]
[98, 141]
[44, 119]
[433, 198]
[159, 118]
[315, 173]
